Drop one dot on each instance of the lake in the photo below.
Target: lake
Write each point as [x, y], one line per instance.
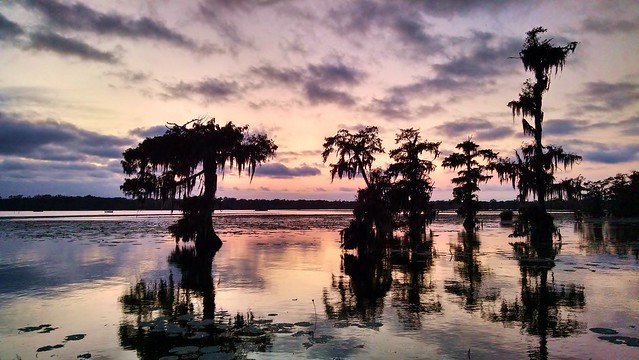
[113, 286]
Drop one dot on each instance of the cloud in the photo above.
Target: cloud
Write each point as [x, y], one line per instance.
[479, 129]
[561, 127]
[24, 95]
[49, 41]
[239, 5]
[51, 140]
[447, 8]
[613, 155]
[278, 170]
[482, 60]
[79, 17]
[335, 73]
[9, 29]
[211, 90]
[317, 94]
[602, 96]
[149, 131]
[413, 31]
[318, 83]
[605, 26]
[128, 76]
[39, 157]
[280, 76]
[564, 126]
[297, 155]
[401, 19]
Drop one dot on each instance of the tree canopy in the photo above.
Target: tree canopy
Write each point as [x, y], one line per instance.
[355, 152]
[470, 175]
[533, 170]
[187, 157]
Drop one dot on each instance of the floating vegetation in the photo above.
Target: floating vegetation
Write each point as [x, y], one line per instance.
[44, 328]
[604, 331]
[621, 340]
[184, 350]
[303, 324]
[75, 337]
[49, 347]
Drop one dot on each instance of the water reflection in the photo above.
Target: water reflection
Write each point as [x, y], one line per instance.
[543, 309]
[168, 319]
[413, 294]
[607, 237]
[359, 293]
[470, 272]
[361, 296]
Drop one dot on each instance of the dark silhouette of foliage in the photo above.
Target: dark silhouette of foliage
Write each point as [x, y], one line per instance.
[373, 216]
[187, 157]
[355, 152]
[470, 175]
[533, 170]
[404, 189]
[614, 196]
[413, 187]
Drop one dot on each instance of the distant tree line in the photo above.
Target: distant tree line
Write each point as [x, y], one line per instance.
[68, 203]
[72, 203]
[616, 196]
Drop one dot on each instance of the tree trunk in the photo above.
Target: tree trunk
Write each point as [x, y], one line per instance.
[207, 241]
[540, 171]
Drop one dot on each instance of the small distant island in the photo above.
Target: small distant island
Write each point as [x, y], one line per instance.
[88, 202]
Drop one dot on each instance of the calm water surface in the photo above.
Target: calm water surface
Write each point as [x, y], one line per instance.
[111, 285]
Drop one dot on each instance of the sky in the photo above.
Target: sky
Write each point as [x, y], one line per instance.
[80, 82]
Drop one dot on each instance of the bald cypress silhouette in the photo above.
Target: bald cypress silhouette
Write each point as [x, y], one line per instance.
[355, 152]
[533, 170]
[471, 173]
[188, 157]
[413, 186]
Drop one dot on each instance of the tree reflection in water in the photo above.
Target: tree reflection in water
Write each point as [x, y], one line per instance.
[413, 292]
[470, 271]
[162, 317]
[359, 294]
[608, 237]
[543, 309]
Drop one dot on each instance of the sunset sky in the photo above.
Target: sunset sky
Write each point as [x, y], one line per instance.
[82, 81]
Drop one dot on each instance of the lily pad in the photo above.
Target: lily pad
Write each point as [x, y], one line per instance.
[217, 356]
[49, 347]
[184, 350]
[322, 339]
[198, 335]
[604, 331]
[34, 328]
[210, 349]
[47, 330]
[303, 324]
[75, 337]
[621, 340]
